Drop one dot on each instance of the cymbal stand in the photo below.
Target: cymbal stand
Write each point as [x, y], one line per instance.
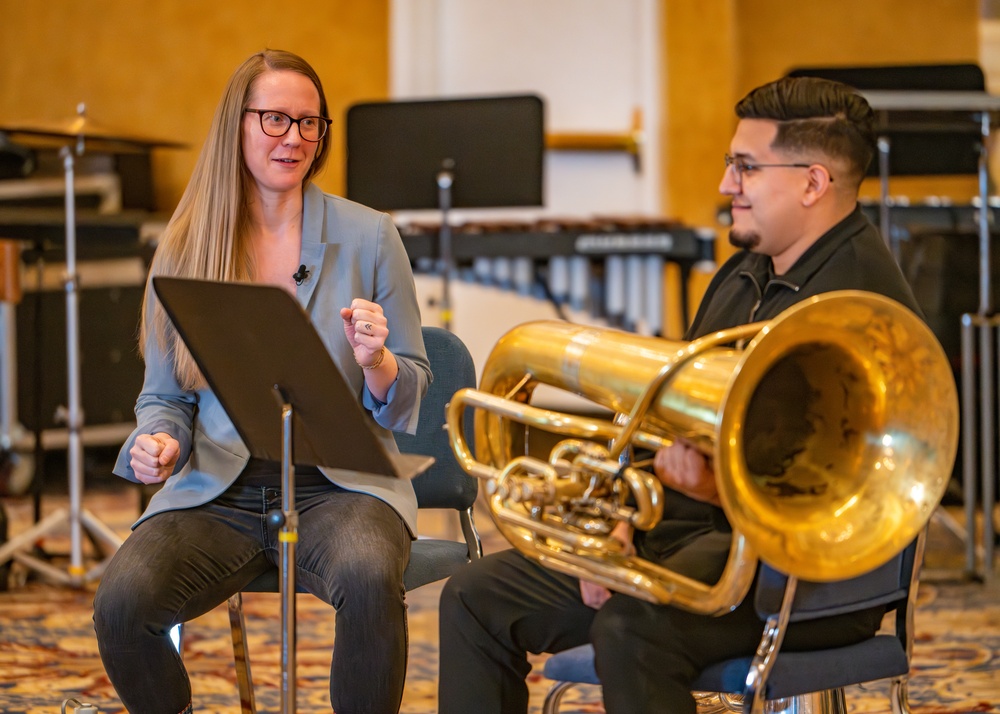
[75, 517]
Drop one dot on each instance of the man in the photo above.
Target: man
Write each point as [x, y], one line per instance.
[796, 161]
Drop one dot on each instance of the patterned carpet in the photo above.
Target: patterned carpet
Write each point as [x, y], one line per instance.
[48, 652]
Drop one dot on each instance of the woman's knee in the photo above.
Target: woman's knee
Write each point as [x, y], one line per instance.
[359, 581]
[132, 597]
[124, 607]
[106, 608]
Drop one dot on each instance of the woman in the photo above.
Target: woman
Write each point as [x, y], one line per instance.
[250, 214]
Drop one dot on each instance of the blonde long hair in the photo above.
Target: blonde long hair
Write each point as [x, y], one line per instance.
[208, 235]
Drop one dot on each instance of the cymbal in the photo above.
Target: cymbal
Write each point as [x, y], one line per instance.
[82, 127]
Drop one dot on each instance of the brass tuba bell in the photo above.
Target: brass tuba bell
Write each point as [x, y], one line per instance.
[833, 434]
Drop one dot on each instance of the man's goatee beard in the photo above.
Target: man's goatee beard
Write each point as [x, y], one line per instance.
[745, 241]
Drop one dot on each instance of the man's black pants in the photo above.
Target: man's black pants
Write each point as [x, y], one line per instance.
[504, 606]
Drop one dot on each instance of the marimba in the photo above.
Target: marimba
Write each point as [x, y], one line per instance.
[611, 266]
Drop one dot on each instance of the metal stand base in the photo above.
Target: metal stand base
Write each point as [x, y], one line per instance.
[75, 518]
[63, 519]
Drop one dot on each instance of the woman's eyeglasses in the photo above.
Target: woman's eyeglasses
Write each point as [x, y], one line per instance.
[274, 123]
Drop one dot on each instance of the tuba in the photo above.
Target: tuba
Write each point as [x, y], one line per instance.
[833, 432]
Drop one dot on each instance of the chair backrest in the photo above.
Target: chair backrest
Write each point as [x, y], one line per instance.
[886, 585]
[444, 484]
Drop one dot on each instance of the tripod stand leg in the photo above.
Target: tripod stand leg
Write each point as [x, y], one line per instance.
[29, 537]
[101, 532]
[15, 547]
[46, 569]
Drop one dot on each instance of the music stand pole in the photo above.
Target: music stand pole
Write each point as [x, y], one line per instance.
[979, 347]
[445, 179]
[986, 307]
[885, 225]
[76, 517]
[288, 537]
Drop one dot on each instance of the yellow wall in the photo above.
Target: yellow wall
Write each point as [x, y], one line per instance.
[715, 51]
[718, 50]
[157, 67]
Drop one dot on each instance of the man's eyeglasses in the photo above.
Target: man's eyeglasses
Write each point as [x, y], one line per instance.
[275, 123]
[741, 167]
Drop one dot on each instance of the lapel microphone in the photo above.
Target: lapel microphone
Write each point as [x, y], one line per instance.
[300, 275]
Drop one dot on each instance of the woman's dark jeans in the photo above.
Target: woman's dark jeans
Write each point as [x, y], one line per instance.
[177, 565]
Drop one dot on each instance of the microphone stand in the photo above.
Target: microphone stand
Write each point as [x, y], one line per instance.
[76, 517]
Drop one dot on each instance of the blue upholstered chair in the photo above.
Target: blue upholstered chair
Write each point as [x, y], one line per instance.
[813, 681]
[443, 486]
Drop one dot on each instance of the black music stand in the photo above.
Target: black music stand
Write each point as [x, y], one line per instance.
[475, 152]
[269, 368]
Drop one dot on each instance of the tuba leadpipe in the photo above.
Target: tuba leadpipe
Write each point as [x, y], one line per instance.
[833, 434]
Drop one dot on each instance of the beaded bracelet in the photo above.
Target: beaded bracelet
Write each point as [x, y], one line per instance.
[376, 363]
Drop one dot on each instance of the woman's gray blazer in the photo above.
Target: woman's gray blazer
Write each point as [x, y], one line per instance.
[350, 251]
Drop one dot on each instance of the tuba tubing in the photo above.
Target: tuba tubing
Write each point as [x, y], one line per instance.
[832, 433]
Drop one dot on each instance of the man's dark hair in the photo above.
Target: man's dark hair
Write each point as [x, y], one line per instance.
[820, 114]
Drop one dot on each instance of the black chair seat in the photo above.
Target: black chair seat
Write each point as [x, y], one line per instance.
[798, 673]
[432, 560]
[794, 673]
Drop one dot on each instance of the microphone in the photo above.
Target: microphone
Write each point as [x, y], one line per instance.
[300, 275]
